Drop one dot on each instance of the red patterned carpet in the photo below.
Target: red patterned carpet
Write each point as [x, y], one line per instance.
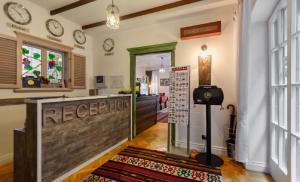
[136, 165]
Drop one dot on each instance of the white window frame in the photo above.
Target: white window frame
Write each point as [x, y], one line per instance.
[289, 172]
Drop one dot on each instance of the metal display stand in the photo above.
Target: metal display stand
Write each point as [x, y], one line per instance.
[179, 109]
[208, 95]
[208, 158]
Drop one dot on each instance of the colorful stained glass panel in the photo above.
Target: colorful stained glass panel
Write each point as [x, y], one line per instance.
[55, 67]
[31, 61]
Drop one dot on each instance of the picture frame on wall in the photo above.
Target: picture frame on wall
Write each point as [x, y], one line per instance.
[164, 82]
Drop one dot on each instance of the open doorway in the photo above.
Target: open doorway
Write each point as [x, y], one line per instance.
[152, 88]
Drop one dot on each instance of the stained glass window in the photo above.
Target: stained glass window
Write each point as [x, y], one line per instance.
[55, 68]
[42, 67]
[31, 66]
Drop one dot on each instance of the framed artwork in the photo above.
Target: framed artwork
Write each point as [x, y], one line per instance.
[117, 81]
[164, 82]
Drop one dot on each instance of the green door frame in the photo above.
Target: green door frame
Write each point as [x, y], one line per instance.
[159, 48]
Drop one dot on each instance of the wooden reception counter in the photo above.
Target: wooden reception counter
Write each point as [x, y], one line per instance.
[62, 135]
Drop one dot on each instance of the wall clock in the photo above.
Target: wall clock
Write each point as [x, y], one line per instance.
[79, 37]
[54, 27]
[17, 13]
[108, 45]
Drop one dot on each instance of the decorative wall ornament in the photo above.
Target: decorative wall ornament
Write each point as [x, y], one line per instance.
[204, 67]
[55, 28]
[79, 37]
[108, 46]
[17, 13]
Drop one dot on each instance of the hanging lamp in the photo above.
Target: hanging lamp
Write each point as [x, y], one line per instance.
[113, 16]
[162, 69]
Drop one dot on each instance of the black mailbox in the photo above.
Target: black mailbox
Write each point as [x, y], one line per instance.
[208, 95]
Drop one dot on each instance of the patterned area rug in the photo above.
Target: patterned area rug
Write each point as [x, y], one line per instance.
[136, 165]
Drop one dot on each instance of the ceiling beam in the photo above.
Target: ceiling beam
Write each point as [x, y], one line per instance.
[70, 6]
[145, 12]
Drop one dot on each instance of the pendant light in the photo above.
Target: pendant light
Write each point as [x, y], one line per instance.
[113, 16]
[162, 69]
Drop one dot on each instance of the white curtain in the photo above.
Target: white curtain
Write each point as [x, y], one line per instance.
[244, 21]
[154, 82]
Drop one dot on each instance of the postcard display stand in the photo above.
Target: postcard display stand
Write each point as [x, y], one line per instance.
[179, 109]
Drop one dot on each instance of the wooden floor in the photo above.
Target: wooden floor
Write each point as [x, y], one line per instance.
[155, 138]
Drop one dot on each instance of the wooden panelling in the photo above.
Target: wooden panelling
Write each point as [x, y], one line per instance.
[19, 155]
[8, 62]
[13, 101]
[145, 12]
[67, 144]
[79, 72]
[146, 112]
[70, 6]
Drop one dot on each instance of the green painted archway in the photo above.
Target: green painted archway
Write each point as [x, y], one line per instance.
[159, 48]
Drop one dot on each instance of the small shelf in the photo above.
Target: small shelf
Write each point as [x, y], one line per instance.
[28, 90]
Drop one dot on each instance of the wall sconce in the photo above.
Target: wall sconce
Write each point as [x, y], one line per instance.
[204, 66]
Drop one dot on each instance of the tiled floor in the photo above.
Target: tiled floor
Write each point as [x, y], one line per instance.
[155, 138]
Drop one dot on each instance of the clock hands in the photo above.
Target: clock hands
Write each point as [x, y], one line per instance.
[20, 14]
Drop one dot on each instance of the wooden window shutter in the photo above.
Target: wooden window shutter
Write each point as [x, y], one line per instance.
[8, 62]
[79, 72]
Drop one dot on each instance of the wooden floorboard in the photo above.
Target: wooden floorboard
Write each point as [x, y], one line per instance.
[155, 138]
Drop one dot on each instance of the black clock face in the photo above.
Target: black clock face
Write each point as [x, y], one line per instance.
[79, 37]
[17, 13]
[54, 27]
[108, 45]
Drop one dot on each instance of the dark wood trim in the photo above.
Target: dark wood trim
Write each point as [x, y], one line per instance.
[70, 6]
[145, 12]
[200, 31]
[13, 101]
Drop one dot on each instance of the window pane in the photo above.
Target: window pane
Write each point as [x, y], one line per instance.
[276, 33]
[284, 23]
[31, 66]
[275, 106]
[283, 66]
[283, 150]
[275, 68]
[297, 65]
[274, 144]
[282, 107]
[296, 124]
[55, 69]
[298, 14]
[298, 161]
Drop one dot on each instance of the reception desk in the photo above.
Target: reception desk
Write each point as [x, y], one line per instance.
[63, 135]
[146, 112]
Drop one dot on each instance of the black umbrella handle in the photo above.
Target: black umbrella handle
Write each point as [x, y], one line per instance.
[232, 122]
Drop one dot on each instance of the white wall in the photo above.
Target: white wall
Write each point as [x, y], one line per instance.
[14, 116]
[258, 126]
[224, 63]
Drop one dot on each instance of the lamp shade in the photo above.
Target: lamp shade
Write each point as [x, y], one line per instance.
[113, 17]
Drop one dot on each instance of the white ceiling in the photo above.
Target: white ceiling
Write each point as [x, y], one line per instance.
[153, 61]
[96, 11]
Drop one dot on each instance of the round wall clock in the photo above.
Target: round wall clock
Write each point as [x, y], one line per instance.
[54, 27]
[79, 37]
[17, 13]
[108, 45]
